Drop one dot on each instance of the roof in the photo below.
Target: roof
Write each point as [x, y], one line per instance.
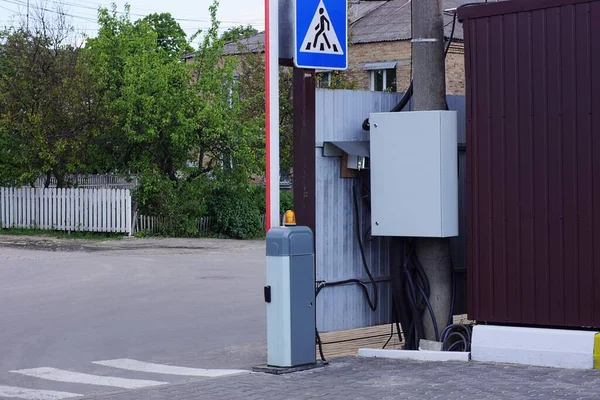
[391, 22]
[249, 45]
[370, 22]
[509, 7]
[360, 8]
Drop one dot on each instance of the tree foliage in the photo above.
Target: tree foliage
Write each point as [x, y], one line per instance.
[126, 102]
[146, 93]
[237, 33]
[227, 144]
[169, 35]
[48, 118]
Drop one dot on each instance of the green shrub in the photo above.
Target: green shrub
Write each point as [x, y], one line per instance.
[178, 204]
[235, 212]
[286, 201]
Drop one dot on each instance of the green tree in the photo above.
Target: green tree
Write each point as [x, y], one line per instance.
[49, 120]
[226, 145]
[147, 94]
[238, 33]
[169, 35]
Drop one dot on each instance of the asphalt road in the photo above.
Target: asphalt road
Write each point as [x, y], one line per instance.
[65, 304]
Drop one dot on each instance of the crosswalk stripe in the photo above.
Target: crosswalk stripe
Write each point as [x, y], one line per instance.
[60, 375]
[33, 394]
[135, 365]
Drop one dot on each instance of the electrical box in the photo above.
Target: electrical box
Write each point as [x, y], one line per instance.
[290, 297]
[414, 174]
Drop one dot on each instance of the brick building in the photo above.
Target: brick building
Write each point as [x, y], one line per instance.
[379, 54]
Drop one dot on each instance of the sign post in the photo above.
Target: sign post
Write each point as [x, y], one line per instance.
[272, 111]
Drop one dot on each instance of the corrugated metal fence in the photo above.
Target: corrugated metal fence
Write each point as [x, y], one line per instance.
[340, 115]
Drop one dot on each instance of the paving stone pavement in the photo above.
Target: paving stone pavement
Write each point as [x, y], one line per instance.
[361, 378]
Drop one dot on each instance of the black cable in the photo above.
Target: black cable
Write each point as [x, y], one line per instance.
[455, 346]
[460, 333]
[321, 285]
[395, 321]
[320, 347]
[391, 336]
[433, 319]
[451, 316]
[415, 313]
[372, 305]
[409, 92]
[451, 35]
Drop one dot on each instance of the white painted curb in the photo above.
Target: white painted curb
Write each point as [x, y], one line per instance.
[533, 346]
[419, 355]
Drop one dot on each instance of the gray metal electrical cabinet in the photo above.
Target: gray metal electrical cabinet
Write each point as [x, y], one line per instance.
[290, 297]
[414, 174]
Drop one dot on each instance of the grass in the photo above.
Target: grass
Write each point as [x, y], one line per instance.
[61, 234]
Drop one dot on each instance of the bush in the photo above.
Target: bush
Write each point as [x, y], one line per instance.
[236, 212]
[286, 200]
[179, 204]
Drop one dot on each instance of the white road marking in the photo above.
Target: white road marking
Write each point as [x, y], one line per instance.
[33, 394]
[61, 375]
[134, 365]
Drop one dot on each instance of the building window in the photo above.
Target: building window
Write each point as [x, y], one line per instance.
[324, 79]
[384, 80]
[383, 76]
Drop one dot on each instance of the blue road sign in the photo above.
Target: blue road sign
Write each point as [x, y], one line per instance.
[321, 35]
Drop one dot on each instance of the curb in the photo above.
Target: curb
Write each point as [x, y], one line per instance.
[559, 348]
[418, 355]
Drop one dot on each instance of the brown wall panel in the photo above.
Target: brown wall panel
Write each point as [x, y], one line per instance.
[533, 161]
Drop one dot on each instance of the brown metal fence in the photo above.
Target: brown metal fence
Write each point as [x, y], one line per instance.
[533, 161]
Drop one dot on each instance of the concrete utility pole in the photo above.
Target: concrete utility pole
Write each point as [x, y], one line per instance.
[429, 79]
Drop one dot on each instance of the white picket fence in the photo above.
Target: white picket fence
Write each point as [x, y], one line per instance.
[151, 225]
[89, 210]
[101, 181]
[148, 224]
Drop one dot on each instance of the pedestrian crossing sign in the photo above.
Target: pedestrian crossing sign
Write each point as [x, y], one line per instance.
[321, 34]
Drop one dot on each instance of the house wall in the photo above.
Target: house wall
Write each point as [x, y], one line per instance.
[400, 52]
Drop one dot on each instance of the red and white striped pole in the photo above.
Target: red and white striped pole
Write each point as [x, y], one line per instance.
[272, 111]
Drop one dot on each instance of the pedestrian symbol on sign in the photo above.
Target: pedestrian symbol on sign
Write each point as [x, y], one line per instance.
[321, 36]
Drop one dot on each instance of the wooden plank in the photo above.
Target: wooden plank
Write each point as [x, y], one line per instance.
[104, 210]
[43, 213]
[88, 208]
[63, 209]
[54, 211]
[31, 208]
[109, 210]
[2, 205]
[26, 208]
[118, 211]
[76, 209]
[345, 343]
[96, 210]
[128, 212]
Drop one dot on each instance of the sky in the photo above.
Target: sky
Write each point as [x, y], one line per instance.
[191, 14]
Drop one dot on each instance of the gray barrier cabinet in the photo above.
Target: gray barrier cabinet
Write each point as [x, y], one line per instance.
[290, 297]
